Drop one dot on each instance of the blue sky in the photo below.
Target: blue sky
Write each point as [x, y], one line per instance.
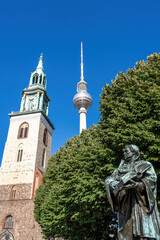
[115, 34]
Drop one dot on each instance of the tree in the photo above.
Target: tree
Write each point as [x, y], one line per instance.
[130, 110]
[71, 202]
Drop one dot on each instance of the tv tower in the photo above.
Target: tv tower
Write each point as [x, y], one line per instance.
[82, 100]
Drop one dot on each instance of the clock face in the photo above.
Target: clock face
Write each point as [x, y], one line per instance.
[31, 102]
[31, 98]
[30, 105]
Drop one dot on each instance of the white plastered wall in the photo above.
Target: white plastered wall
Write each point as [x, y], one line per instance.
[13, 172]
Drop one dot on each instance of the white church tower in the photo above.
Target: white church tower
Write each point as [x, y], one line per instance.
[82, 100]
[26, 152]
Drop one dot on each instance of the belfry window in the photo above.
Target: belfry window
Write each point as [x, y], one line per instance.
[19, 153]
[43, 157]
[35, 79]
[19, 156]
[23, 130]
[8, 222]
[40, 80]
[45, 137]
[44, 81]
[13, 193]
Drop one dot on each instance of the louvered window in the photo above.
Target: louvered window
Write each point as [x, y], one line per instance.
[9, 222]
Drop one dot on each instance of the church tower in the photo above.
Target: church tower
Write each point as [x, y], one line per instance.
[26, 152]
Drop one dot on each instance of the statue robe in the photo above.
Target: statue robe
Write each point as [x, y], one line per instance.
[137, 212]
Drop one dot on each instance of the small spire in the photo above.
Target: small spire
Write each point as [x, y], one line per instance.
[40, 64]
[82, 77]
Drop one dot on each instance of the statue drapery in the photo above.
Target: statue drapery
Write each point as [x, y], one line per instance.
[131, 191]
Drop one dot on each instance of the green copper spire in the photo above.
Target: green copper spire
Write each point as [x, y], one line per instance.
[38, 77]
[40, 64]
[35, 97]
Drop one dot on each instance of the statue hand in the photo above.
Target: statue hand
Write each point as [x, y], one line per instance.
[118, 187]
[140, 187]
[139, 175]
[113, 184]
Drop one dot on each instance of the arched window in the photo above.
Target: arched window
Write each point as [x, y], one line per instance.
[45, 137]
[20, 153]
[8, 222]
[6, 235]
[23, 130]
[43, 158]
[35, 79]
[40, 80]
[44, 81]
[13, 193]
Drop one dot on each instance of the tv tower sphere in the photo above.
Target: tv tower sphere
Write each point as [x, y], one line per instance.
[82, 100]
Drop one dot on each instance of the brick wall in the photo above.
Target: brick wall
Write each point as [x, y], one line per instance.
[23, 191]
[24, 225]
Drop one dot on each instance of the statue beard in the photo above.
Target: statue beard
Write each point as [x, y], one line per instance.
[133, 158]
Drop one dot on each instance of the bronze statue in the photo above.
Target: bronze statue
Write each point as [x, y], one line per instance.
[131, 191]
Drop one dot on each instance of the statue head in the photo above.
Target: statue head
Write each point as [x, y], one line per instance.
[131, 152]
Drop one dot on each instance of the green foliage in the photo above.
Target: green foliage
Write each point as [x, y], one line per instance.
[130, 111]
[71, 201]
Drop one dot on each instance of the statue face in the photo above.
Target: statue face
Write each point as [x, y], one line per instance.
[128, 154]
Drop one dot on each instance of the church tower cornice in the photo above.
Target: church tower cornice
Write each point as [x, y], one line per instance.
[14, 114]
